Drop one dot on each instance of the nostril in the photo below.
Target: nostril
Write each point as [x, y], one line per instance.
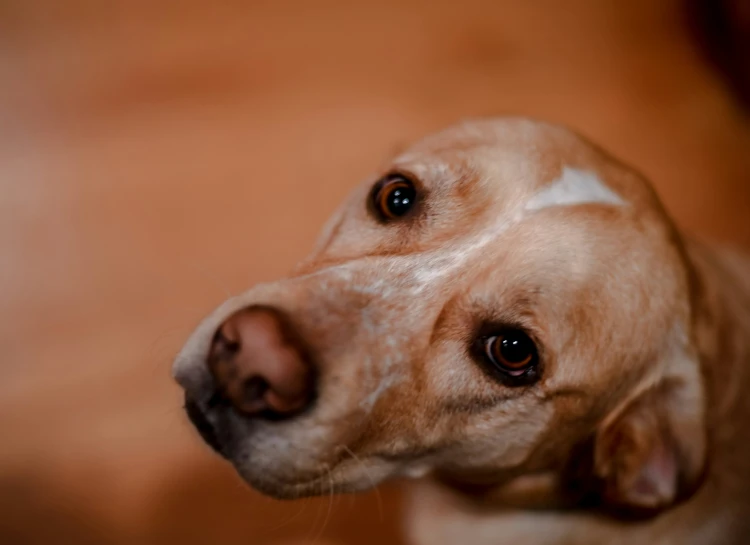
[259, 364]
[254, 390]
[224, 346]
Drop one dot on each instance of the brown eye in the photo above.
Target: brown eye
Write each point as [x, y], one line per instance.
[394, 197]
[512, 352]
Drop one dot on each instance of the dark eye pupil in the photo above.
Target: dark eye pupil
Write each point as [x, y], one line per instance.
[516, 348]
[512, 354]
[393, 196]
[399, 200]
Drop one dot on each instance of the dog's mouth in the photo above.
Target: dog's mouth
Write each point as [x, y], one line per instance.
[204, 427]
[282, 479]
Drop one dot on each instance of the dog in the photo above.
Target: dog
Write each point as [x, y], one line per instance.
[507, 316]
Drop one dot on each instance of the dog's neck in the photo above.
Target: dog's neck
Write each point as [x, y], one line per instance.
[721, 327]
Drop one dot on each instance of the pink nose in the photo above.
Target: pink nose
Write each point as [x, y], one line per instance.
[259, 365]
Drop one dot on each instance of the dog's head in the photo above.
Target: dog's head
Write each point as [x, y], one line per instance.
[499, 295]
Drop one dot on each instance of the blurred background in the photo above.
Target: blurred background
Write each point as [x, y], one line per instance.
[157, 156]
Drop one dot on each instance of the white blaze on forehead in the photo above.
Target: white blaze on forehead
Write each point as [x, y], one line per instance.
[573, 187]
[435, 265]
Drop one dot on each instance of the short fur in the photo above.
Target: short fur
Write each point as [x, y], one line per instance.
[635, 432]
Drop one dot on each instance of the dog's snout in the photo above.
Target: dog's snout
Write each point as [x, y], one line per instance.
[259, 364]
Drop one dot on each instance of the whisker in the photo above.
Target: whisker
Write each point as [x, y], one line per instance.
[310, 537]
[375, 489]
[288, 520]
[327, 518]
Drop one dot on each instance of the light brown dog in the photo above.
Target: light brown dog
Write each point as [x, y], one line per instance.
[507, 314]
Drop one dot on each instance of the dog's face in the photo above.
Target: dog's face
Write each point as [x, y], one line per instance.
[497, 295]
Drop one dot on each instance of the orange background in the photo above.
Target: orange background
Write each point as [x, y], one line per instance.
[156, 157]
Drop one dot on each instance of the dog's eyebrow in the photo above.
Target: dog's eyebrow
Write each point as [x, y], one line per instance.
[573, 187]
[421, 167]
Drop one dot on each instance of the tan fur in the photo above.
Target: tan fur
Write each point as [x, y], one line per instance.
[643, 339]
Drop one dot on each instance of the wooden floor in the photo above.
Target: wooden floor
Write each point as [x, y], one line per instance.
[156, 157]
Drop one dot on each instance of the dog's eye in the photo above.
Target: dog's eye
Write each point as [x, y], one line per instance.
[393, 197]
[512, 352]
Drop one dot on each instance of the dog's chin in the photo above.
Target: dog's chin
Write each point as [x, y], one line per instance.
[288, 490]
[283, 485]
[321, 485]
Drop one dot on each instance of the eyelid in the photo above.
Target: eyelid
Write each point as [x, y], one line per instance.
[394, 174]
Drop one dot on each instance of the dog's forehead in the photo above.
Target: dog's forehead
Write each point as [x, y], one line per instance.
[481, 179]
[546, 165]
[510, 133]
[475, 145]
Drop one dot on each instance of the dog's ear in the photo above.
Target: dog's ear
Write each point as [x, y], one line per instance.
[652, 451]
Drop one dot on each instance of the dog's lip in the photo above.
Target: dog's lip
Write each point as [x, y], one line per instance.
[204, 427]
[289, 489]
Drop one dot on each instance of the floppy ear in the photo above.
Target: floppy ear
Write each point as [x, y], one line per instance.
[653, 450]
